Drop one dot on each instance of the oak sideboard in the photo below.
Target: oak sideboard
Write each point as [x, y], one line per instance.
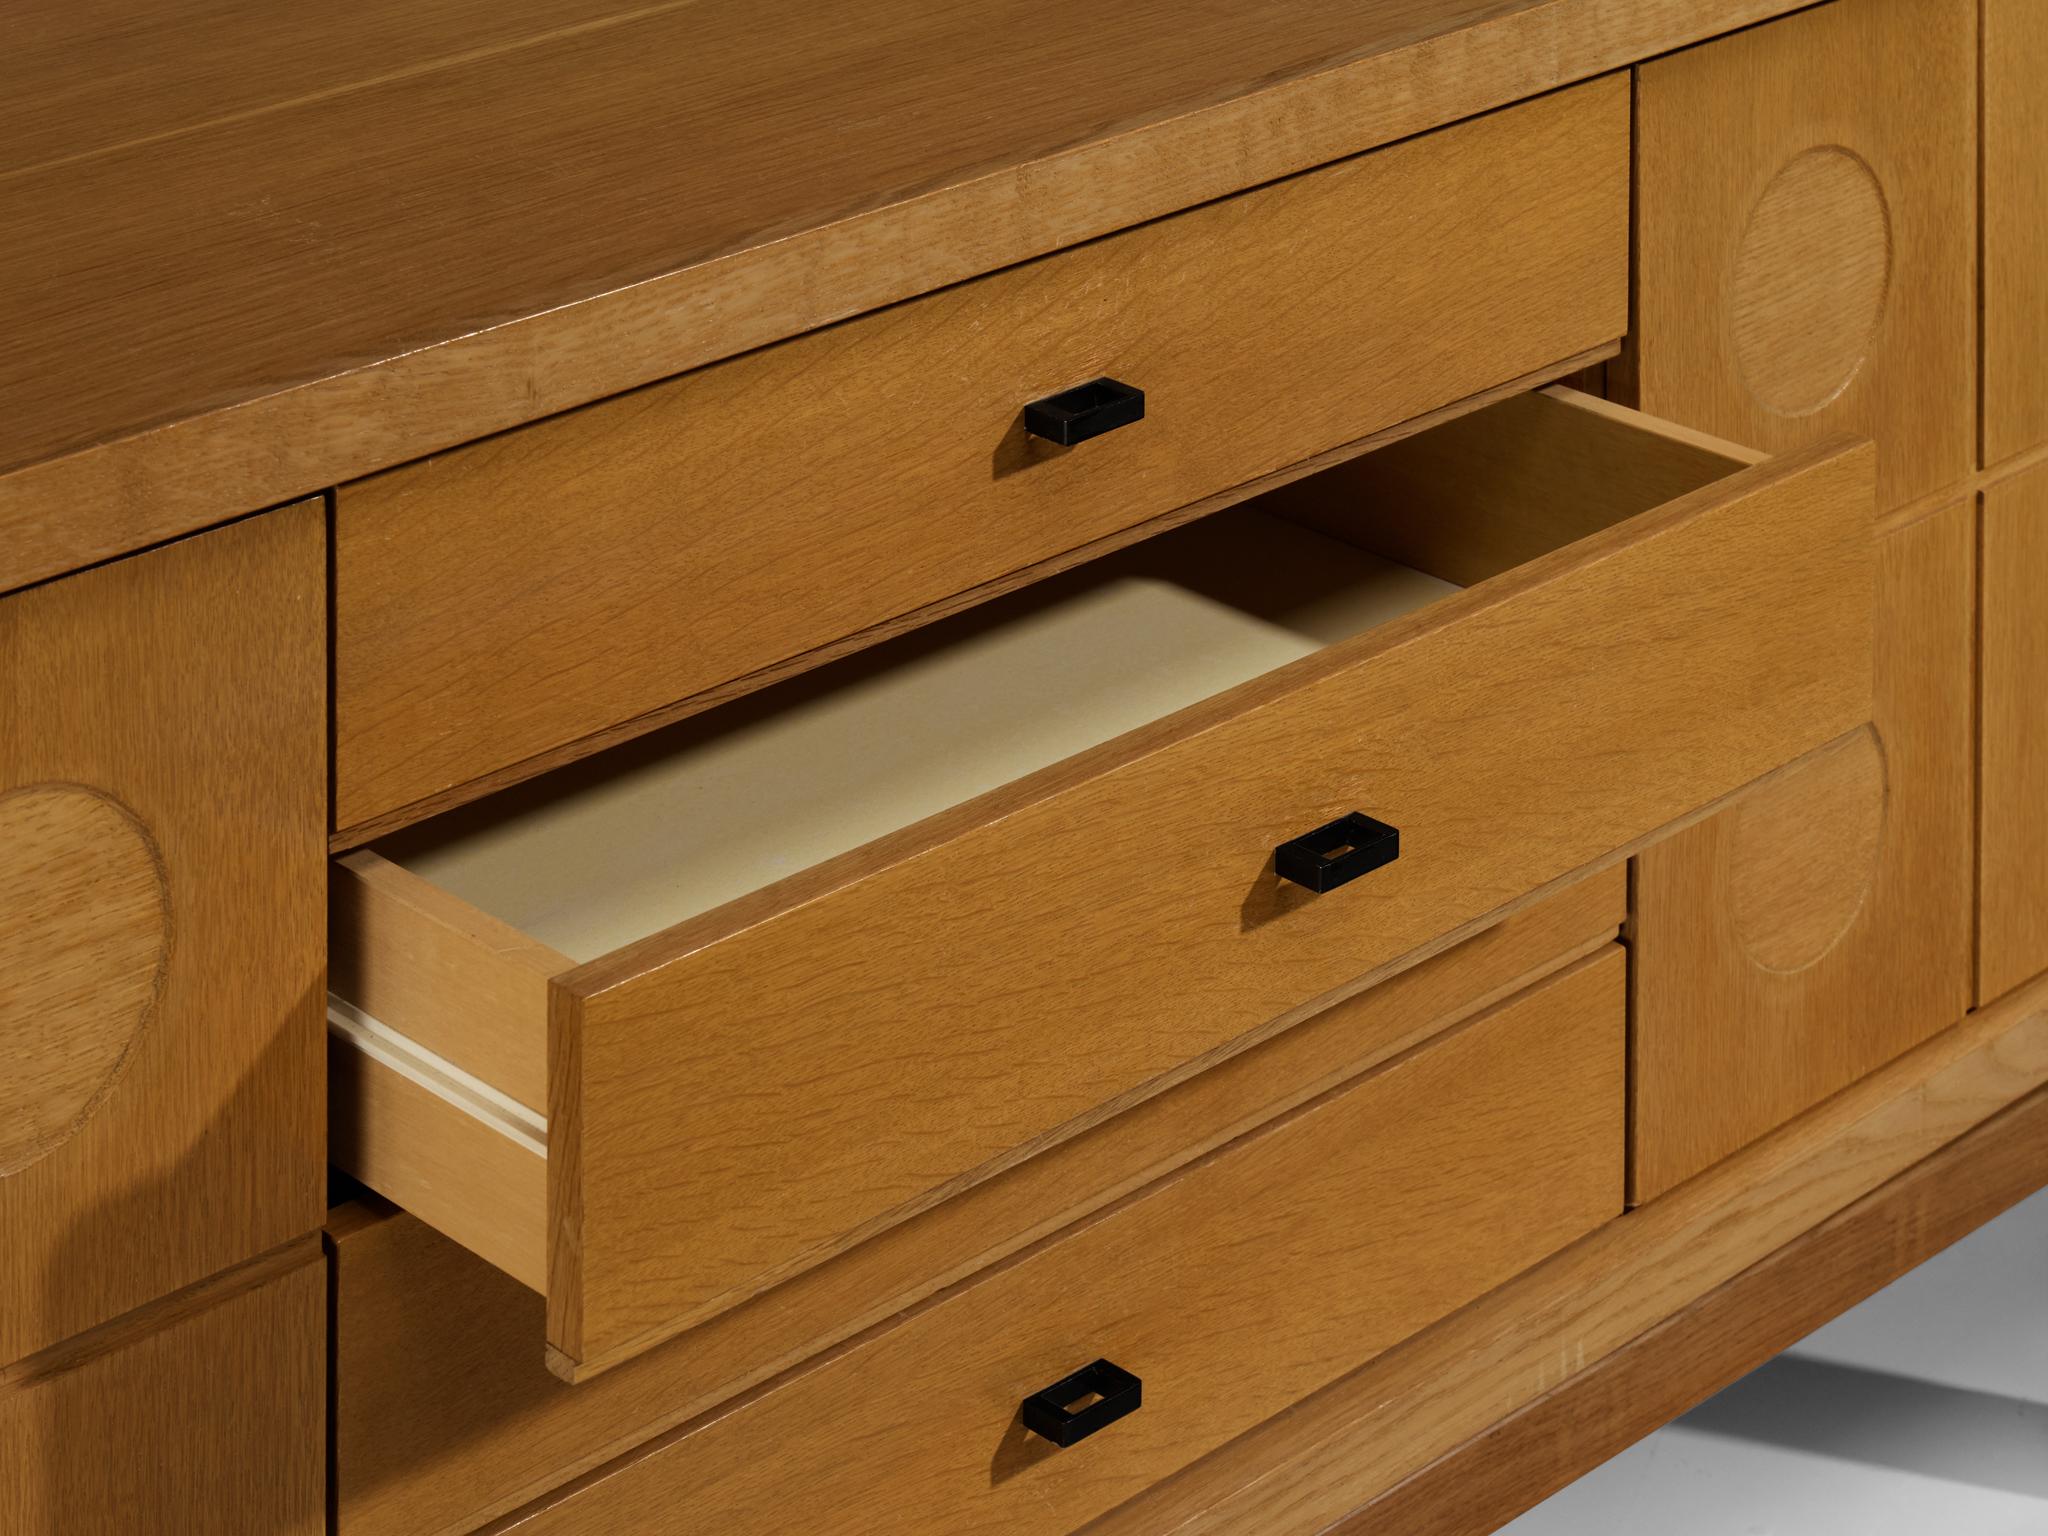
[997, 768]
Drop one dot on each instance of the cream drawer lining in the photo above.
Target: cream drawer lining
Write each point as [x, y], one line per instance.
[654, 832]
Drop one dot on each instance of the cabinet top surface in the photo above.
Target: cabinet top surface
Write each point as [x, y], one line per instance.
[247, 251]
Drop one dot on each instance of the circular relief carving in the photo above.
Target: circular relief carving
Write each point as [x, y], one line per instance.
[1811, 278]
[1804, 853]
[84, 937]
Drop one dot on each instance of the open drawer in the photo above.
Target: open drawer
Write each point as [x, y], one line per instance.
[659, 1031]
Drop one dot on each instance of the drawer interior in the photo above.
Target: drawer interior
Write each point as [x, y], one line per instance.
[659, 830]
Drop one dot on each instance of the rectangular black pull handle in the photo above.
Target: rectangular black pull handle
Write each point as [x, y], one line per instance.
[1103, 1392]
[1337, 854]
[1085, 411]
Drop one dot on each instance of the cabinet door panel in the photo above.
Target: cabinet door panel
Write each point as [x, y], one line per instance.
[2012, 938]
[2015, 227]
[203, 1414]
[1821, 925]
[1805, 237]
[162, 904]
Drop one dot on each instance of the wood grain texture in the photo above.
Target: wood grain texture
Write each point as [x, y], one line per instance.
[2015, 204]
[1517, 732]
[2012, 891]
[1327, 1237]
[201, 1415]
[81, 81]
[1805, 251]
[446, 1415]
[1298, 1474]
[1734, 1328]
[1821, 924]
[351, 267]
[183, 686]
[496, 603]
[84, 936]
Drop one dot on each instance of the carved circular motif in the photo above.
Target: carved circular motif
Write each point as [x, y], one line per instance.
[84, 938]
[1804, 853]
[1810, 282]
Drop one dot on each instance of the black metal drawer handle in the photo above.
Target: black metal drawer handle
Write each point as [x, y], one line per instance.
[1085, 411]
[1339, 853]
[1104, 1392]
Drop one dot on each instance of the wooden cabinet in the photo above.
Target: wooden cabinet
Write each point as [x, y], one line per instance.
[162, 894]
[2015, 228]
[1821, 925]
[2012, 935]
[1805, 236]
[205, 1413]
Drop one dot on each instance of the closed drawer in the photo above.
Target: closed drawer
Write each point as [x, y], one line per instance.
[654, 1123]
[1230, 1291]
[498, 605]
[445, 1416]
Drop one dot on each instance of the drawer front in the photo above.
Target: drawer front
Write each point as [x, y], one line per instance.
[162, 875]
[1820, 926]
[931, 1007]
[1231, 1290]
[1805, 260]
[445, 1415]
[497, 605]
[2015, 227]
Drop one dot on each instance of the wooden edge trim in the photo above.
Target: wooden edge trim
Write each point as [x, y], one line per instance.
[1736, 455]
[371, 828]
[1340, 1449]
[1573, 1428]
[154, 1317]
